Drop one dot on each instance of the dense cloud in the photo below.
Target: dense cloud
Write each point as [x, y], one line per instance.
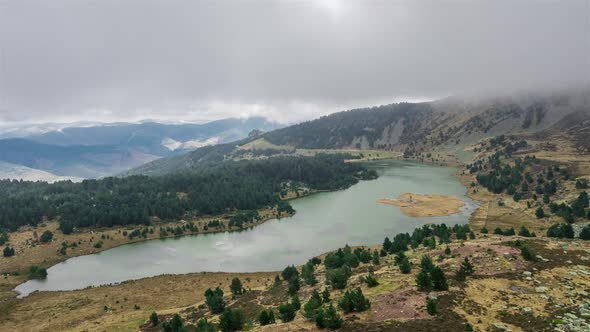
[67, 60]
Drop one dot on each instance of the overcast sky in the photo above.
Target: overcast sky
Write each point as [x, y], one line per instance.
[109, 60]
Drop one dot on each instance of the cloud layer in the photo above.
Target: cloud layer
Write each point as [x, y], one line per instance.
[68, 60]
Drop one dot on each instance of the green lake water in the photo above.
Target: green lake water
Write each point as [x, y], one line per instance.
[323, 222]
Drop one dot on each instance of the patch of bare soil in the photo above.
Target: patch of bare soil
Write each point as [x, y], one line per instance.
[402, 304]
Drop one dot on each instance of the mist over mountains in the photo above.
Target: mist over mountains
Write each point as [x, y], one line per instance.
[96, 150]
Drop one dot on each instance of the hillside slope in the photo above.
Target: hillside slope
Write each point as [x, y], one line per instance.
[450, 126]
[156, 138]
[19, 172]
[76, 161]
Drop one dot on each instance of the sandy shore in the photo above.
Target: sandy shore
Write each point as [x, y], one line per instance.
[428, 205]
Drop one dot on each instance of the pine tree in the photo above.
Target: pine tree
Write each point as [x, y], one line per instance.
[328, 318]
[287, 312]
[236, 286]
[405, 267]
[354, 301]
[370, 280]
[423, 281]
[439, 281]
[294, 285]
[154, 319]
[313, 304]
[447, 251]
[214, 300]
[467, 266]
[308, 275]
[231, 320]
[540, 213]
[376, 258]
[296, 302]
[426, 263]
[461, 275]
[203, 325]
[431, 307]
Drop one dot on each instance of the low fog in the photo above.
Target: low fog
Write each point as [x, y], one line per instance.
[110, 60]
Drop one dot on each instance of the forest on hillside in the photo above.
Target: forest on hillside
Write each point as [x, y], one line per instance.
[339, 129]
[230, 186]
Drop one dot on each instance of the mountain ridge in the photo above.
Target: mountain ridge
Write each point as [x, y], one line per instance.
[451, 126]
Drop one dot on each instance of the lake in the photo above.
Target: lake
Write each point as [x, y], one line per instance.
[323, 222]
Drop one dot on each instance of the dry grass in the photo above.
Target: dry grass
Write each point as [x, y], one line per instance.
[84, 310]
[30, 252]
[425, 205]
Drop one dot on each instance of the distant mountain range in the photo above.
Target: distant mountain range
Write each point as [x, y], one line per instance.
[96, 150]
[451, 126]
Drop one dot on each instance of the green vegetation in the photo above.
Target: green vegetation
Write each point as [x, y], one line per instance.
[231, 320]
[203, 325]
[8, 251]
[154, 319]
[338, 277]
[430, 276]
[214, 300]
[310, 309]
[287, 312]
[370, 280]
[526, 253]
[243, 186]
[431, 307]
[328, 318]
[339, 129]
[354, 301]
[37, 272]
[266, 317]
[175, 325]
[561, 231]
[46, 237]
[236, 286]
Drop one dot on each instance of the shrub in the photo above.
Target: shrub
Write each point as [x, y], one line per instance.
[338, 278]
[214, 300]
[370, 280]
[354, 301]
[154, 319]
[439, 280]
[203, 325]
[46, 237]
[287, 312]
[404, 266]
[294, 285]
[236, 286]
[431, 307]
[8, 251]
[540, 213]
[423, 281]
[328, 318]
[289, 272]
[231, 320]
[37, 272]
[266, 317]
[310, 309]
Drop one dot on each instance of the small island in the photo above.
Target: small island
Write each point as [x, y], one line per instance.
[425, 205]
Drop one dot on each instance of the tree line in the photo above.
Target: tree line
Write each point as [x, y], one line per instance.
[230, 186]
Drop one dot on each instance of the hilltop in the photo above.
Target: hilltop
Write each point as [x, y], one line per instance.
[452, 126]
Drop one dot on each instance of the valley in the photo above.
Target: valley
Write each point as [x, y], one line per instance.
[524, 238]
